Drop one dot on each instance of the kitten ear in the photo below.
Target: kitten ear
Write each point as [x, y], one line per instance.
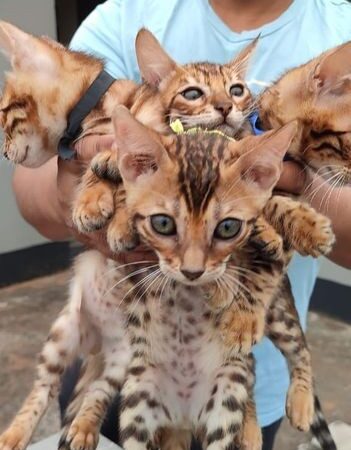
[139, 153]
[332, 74]
[241, 61]
[262, 164]
[24, 51]
[154, 63]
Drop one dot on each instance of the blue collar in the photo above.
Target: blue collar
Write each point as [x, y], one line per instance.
[254, 120]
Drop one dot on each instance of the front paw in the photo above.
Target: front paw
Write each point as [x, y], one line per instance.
[314, 235]
[121, 236]
[93, 208]
[105, 166]
[82, 435]
[251, 436]
[300, 407]
[265, 239]
[14, 438]
[323, 236]
[241, 330]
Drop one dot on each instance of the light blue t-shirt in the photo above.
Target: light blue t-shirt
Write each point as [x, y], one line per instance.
[191, 31]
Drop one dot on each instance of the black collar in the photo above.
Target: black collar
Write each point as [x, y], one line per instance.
[80, 111]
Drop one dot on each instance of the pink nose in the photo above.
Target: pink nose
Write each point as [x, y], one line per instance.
[192, 275]
[224, 108]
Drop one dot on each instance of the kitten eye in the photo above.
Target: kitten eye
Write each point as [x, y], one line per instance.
[163, 224]
[228, 229]
[237, 90]
[192, 93]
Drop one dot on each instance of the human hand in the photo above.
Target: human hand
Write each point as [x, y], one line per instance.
[293, 178]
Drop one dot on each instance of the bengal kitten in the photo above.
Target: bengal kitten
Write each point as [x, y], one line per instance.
[186, 207]
[284, 328]
[318, 96]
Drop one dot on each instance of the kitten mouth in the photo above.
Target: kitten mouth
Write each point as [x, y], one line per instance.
[227, 129]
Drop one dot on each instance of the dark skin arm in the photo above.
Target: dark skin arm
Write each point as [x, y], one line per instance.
[44, 197]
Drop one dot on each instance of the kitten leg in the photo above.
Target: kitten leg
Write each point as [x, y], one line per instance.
[221, 417]
[61, 347]
[121, 235]
[94, 203]
[175, 439]
[251, 438]
[85, 428]
[92, 369]
[251, 435]
[284, 330]
[302, 228]
[143, 416]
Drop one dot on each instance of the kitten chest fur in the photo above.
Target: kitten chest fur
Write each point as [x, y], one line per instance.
[184, 350]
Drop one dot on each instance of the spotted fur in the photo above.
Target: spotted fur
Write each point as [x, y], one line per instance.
[263, 290]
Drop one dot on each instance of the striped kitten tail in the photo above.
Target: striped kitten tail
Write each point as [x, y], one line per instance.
[320, 428]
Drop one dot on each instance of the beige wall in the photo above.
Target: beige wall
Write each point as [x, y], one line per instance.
[38, 17]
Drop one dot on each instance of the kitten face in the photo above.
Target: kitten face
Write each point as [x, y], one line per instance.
[194, 198]
[208, 96]
[200, 94]
[318, 94]
[28, 137]
[38, 94]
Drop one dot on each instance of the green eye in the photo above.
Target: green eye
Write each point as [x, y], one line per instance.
[163, 224]
[237, 90]
[192, 93]
[228, 229]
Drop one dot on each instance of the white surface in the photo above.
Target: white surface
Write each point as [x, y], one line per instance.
[38, 17]
[51, 442]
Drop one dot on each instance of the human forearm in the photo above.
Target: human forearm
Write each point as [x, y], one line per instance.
[36, 193]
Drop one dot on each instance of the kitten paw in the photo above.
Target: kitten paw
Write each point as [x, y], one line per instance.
[93, 208]
[14, 439]
[300, 407]
[324, 236]
[241, 330]
[251, 436]
[266, 240]
[82, 435]
[104, 165]
[270, 246]
[120, 235]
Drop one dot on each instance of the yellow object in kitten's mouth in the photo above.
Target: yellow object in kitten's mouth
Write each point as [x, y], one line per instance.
[178, 128]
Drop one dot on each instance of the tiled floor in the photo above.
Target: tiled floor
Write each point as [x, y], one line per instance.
[27, 310]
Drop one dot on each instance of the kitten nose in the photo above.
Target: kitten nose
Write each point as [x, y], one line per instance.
[192, 275]
[224, 108]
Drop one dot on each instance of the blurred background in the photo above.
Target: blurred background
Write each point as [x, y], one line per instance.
[33, 276]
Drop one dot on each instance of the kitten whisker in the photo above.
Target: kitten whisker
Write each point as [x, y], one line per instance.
[127, 277]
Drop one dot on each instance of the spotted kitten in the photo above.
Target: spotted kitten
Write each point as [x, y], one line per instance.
[181, 374]
[317, 95]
